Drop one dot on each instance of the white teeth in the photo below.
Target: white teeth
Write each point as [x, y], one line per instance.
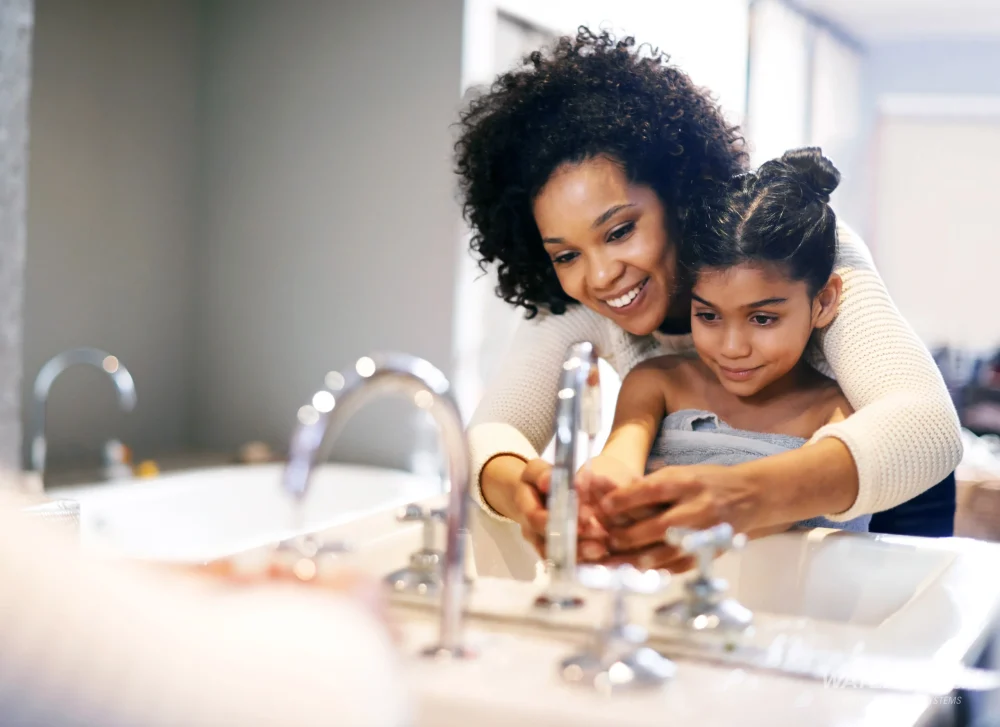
[627, 298]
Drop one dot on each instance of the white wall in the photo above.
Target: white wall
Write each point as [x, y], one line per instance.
[805, 90]
[927, 66]
[967, 67]
[933, 115]
[935, 235]
[110, 239]
[708, 38]
[329, 214]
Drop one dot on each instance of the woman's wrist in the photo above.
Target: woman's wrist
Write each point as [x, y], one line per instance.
[814, 480]
[497, 481]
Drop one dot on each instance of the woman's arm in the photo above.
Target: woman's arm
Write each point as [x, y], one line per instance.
[904, 436]
[515, 419]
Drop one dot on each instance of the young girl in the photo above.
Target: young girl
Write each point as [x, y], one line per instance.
[762, 281]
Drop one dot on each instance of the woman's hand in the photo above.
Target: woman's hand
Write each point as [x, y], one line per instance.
[519, 491]
[510, 486]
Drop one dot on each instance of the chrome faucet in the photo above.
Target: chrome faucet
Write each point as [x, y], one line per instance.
[704, 607]
[619, 659]
[321, 420]
[51, 370]
[578, 409]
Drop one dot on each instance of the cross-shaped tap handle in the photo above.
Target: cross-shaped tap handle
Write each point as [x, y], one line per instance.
[704, 544]
[719, 537]
[427, 516]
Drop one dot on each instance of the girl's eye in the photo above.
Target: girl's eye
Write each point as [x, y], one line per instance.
[621, 232]
[763, 320]
[707, 316]
[564, 258]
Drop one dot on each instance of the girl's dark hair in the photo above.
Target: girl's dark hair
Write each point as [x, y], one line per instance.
[778, 214]
[587, 97]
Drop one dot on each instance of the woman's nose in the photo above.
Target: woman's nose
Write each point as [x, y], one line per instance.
[604, 271]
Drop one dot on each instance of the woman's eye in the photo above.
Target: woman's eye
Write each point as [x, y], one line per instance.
[621, 231]
[762, 320]
[707, 316]
[564, 258]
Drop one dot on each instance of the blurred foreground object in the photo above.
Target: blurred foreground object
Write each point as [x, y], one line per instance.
[85, 641]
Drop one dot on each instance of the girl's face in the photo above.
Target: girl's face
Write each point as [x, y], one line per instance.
[608, 243]
[751, 324]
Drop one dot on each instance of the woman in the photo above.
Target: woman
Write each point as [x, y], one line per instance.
[581, 175]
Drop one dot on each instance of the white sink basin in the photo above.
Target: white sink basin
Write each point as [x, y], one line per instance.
[832, 575]
[202, 514]
[903, 597]
[893, 596]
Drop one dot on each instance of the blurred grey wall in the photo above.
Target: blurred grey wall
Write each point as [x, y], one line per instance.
[111, 217]
[234, 196]
[329, 220]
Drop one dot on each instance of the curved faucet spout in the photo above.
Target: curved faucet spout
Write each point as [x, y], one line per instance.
[322, 420]
[51, 370]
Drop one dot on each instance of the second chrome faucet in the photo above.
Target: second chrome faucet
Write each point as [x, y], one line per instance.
[428, 388]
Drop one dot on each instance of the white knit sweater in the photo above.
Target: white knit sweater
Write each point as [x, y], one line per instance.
[904, 436]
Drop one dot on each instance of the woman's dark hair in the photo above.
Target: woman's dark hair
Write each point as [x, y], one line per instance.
[779, 214]
[587, 97]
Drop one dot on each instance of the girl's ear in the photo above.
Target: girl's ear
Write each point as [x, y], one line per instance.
[826, 301]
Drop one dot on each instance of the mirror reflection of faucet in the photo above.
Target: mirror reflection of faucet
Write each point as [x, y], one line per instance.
[325, 416]
[115, 453]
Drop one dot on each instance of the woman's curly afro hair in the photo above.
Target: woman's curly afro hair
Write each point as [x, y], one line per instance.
[586, 97]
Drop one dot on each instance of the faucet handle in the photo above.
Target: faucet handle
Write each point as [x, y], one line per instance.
[625, 579]
[619, 659]
[719, 537]
[414, 513]
[621, 582]
[310, 546]
[704, 607]
[428, 516]
[424, 575]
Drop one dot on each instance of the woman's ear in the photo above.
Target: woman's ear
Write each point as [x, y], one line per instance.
[826, 301]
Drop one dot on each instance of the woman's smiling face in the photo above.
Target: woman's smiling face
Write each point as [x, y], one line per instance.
[608, 242]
